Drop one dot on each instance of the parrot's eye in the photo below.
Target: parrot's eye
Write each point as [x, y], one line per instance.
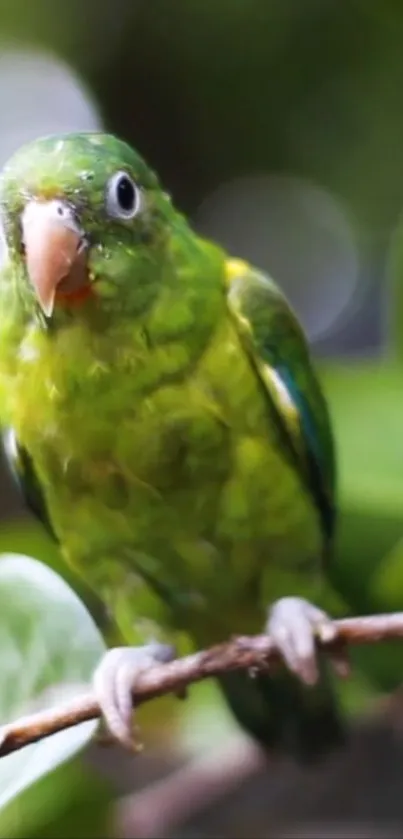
[123, 197]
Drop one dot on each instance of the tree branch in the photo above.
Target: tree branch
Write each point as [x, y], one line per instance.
[241, 653]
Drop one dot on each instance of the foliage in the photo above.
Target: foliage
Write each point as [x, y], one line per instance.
[49, 647]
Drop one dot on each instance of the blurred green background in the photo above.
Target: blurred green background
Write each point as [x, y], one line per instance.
[277, 126]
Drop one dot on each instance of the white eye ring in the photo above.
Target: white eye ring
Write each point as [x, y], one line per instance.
[124, 199]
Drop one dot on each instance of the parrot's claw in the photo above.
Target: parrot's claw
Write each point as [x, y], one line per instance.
[294, 624]
[113, 683]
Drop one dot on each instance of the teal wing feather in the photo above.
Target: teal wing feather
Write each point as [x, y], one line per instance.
[279, 710]
[276, 345]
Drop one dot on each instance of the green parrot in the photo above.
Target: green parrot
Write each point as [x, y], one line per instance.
[166, 424]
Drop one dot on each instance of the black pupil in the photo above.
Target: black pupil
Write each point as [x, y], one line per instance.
[125, 194]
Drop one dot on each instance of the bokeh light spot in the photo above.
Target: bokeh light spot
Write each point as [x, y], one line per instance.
[40, 94]
[297, 232]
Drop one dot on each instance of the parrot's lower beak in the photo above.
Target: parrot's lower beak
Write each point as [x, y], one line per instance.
[55, 250]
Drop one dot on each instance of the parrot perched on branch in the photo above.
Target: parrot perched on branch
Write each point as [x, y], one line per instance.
[167, 426]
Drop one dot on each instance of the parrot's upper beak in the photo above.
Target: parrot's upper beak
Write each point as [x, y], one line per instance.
[55, 250]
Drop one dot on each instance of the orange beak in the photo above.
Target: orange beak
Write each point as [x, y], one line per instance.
[54, 250]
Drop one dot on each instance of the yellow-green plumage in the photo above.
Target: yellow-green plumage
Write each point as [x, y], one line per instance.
[173, 422]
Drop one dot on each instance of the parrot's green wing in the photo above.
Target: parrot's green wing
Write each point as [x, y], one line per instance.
[280, 711]
[278, 350]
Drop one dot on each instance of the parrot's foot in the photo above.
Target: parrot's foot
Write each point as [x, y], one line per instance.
[113, 682]
[294, 625]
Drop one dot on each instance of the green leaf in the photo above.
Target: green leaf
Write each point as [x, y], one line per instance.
[49, 646]
[74, 800]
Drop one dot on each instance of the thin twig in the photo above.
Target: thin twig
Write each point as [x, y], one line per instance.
[243, 652]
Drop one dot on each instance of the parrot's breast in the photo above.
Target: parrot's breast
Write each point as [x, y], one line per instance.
[171, 494]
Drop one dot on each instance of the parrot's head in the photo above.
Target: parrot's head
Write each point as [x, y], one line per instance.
[84, 221]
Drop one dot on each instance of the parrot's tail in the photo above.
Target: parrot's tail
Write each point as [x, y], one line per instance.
[284, 715]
